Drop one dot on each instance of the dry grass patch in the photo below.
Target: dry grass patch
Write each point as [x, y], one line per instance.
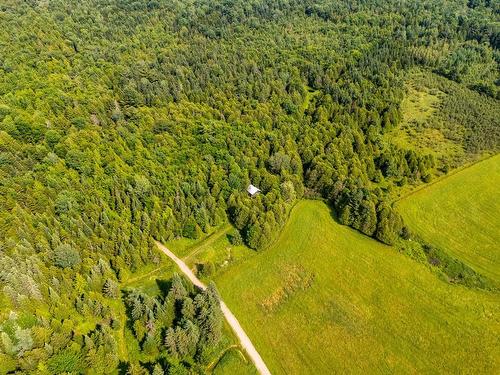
[295, 278]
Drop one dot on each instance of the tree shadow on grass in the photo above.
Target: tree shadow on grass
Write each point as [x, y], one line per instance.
[164, 286]
[128, 310]
[333, 213]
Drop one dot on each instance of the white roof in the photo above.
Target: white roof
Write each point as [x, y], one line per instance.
[252, 190]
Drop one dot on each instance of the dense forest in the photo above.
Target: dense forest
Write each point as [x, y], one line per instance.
[122, 122]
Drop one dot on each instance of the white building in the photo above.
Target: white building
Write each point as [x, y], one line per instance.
[252, 190]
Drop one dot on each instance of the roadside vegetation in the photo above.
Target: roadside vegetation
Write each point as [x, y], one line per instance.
[233, 362]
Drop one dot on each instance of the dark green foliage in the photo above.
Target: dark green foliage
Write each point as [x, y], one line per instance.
[253, 236]
[405, 233]
[235, 238]
[205, 269]
[455, 270]
[365, 211]
[177, 290]
[191, 230]
[209, 316]
[196, 325]
[188, 310]
[111, 289]
[389, 225]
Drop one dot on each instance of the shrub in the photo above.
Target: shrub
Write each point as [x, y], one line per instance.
[206, 269]
[235, 238]
[455, 270]
[405, 233]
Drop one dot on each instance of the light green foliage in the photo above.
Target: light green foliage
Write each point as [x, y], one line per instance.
[441, 118]
[460, 214]
[66, 256]
[157, 370]
[65, 361]
[366, 302]
[16, 338]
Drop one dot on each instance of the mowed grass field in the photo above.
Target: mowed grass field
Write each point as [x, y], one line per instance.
[461, 215]
[325, 299]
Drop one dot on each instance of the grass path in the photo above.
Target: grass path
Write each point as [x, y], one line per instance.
[212, 364]
[141, 277]
[199, 247]
[122, 342]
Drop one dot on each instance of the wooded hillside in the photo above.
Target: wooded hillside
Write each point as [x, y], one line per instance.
[127, 121]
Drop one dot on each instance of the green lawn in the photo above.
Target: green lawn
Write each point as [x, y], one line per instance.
[326, 299]
[461, 215]
[185, 246]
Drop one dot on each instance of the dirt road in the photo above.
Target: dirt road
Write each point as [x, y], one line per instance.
[231, 319]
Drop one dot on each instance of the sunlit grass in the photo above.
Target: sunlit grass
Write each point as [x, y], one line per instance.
[461, 215]
[368, 309]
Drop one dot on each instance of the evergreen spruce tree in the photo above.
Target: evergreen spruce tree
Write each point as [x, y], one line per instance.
[111, 289]
[171, 342]
[188, 310]
[157, 370]
[177, 289]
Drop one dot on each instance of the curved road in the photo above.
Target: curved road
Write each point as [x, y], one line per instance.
[231, 319]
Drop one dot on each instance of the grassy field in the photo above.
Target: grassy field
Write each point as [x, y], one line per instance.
[214, 248]
[326, 299]
[461, 215]
[233, 362]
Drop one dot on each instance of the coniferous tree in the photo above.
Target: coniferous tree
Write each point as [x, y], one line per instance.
[177, 289]
[171, 342]
[111, 289]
